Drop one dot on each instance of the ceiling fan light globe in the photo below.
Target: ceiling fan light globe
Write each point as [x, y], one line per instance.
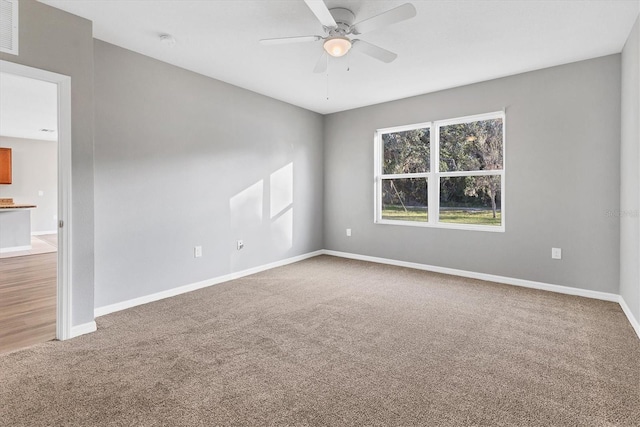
[337, 46]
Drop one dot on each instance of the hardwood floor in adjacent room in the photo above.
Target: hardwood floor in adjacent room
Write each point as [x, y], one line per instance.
[27, 300]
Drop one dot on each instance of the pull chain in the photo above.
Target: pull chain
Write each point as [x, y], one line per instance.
[327, 77]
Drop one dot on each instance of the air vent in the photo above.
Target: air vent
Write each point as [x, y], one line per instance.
[9, 26]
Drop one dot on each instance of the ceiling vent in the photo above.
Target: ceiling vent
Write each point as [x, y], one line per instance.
[9, 26]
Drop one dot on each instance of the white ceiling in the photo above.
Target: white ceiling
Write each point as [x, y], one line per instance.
[449, 43]
[27, 106]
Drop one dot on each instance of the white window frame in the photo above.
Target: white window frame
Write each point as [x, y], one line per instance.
[434, 174]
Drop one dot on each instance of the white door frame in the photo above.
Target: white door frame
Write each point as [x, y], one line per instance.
[63, 310]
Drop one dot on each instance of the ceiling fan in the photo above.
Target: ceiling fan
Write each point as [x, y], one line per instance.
[338, 24]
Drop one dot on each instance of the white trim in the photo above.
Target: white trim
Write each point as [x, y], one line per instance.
[605, 296]
[634, 322]
[15, 249]
[85, 328]
[447, 225]
[101, 311]
[405, 175]
[42, 233]
[65, 249]
[484, 172]
[433, 183]
[64, 301]
[503, 185]
[377, 174]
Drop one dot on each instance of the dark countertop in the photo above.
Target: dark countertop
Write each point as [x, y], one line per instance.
[17, 206]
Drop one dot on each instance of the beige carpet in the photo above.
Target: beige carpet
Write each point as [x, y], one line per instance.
[337, 342]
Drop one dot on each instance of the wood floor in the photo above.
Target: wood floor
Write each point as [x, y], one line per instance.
[27, 300]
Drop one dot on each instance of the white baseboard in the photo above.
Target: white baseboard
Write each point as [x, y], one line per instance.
[605, 296]
[42, 233]
[84, 328]
[482, 276]
[15, 249]
[634, 322]
[101, 311]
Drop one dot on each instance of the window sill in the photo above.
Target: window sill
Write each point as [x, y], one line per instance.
[489, 228]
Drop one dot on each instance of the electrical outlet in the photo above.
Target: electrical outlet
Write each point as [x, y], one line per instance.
[197, 251]
[556, 253]
[240, 244]
[348, 232]
[40, 193]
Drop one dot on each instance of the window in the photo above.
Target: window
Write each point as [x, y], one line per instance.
[447, 173]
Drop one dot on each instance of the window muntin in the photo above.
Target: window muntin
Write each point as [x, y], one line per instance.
[460, 165]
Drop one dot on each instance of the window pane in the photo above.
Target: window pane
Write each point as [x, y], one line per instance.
[406, 152]
[404, 199]
[471, 146]
[471, 200]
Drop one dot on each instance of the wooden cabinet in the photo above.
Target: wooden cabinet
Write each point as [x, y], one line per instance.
[5, 165]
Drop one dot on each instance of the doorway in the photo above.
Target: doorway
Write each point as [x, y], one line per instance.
[53, 230]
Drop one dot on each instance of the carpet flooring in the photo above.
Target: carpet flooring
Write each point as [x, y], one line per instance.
[336, 342]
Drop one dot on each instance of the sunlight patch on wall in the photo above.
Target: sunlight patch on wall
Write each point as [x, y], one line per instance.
[246, 207]
[281, 186]
[281, 207]
[282, 230]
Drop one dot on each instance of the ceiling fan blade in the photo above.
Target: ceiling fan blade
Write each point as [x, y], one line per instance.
[321, 65]
[389, 17]
[285, 40]
[322, 12]
[372, 50]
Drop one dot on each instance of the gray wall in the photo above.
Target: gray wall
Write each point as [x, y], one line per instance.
[562, 178]
[629, 174]
[35, 169]
[56, 41]
[184, 160]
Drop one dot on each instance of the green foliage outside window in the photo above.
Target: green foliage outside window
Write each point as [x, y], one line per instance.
[463, 147]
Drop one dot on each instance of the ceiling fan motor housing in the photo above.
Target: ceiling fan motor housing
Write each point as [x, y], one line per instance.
[344, 18]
